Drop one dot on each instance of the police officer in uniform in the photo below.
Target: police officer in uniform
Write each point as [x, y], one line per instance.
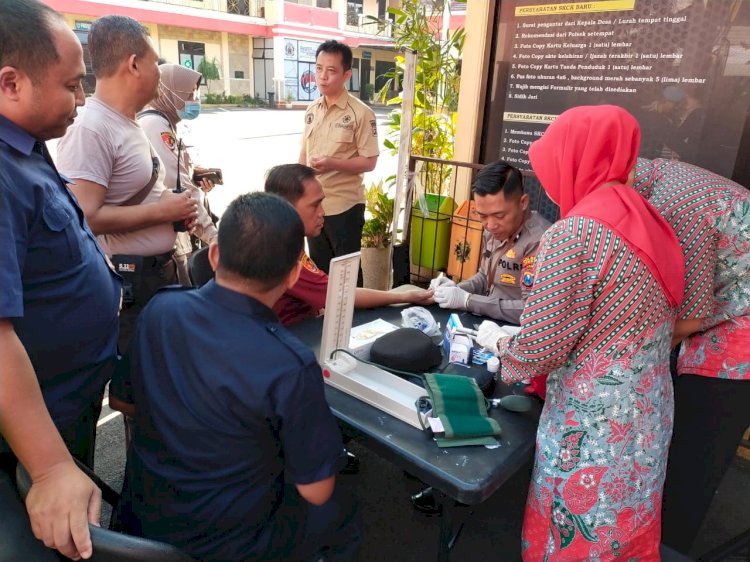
[115, 174]
[506, 272]
[510, 241]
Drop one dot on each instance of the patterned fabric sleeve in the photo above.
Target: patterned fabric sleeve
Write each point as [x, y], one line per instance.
[644, 177]
[558, 309]
[733, 267]
[699, 250]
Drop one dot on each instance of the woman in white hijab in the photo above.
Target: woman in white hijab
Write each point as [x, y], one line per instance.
[178, 99]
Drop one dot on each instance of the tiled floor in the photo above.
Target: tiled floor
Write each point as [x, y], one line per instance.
[396, 532]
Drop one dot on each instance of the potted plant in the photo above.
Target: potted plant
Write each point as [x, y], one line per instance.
[210, 71]
[417, 27]
[376, 238]
[369, 92]
[289, 99]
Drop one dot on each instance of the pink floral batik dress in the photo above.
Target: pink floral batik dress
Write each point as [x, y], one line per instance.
[600, 325]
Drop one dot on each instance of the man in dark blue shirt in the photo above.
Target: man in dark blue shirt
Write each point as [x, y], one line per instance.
[223, 426]
[59, 299]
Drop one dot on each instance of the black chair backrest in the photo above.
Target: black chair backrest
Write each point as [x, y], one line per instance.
[199, 268]
[538, 200]
[111, 546]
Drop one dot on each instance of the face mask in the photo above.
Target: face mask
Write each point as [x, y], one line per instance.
[192, 110]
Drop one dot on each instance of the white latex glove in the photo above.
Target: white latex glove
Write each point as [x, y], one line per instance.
[451, 297]
[442, 281]
[488, 334]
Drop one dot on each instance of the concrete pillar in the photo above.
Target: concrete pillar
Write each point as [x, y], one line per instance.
[153, 29]
[251, 66]
[278, 68]
[473, 89]
[340, 7]
[225, 72]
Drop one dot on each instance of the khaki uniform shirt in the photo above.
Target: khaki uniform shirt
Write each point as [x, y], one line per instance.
[344, 130]
[510, 266]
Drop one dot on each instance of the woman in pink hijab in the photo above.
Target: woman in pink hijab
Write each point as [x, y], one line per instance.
[599, 321]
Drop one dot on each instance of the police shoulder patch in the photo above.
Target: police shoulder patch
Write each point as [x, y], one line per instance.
[528, 262]
[309, 118]
[528, 279]
[374, 126]
[169, 140]
[309, 265]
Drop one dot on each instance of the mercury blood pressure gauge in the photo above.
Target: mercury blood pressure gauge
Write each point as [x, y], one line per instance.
[342, 284]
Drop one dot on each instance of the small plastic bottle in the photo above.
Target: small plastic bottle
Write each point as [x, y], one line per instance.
[493, 364]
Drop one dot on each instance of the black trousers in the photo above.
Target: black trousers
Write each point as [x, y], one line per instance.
[341, 235]
[158, 272]
[711, 416]
[302, 531]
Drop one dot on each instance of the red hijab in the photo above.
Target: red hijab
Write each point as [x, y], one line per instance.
[587, 147]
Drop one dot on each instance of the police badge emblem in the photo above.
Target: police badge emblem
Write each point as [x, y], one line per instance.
[169, 140]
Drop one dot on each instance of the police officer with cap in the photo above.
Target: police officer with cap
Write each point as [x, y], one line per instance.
[510, 242]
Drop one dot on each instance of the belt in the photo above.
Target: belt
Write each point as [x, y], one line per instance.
[159, 260]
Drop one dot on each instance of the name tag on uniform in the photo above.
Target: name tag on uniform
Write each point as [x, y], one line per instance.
[507, 279]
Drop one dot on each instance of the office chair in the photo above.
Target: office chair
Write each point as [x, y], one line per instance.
[111, 546]
[547, 208]
[538, 200]
[199, 268]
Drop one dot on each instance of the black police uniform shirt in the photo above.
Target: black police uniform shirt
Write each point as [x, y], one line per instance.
[56, 285]
[228, 405]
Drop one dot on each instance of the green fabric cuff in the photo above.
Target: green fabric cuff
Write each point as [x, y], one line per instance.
[461, 407]
[443, 442]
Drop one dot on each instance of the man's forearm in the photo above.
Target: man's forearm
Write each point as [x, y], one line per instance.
[476, 284]
[355, 165]
[496, 308]
[372, 298]
[25, 422]
[110, 219]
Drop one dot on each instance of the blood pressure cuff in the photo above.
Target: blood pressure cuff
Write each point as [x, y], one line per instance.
[462, 409]
[484, 379]
[406, 349]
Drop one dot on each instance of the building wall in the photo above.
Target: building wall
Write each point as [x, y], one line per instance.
[370, 8]
[169, 35]
[71, 19]
[234, 53]
[239, 56]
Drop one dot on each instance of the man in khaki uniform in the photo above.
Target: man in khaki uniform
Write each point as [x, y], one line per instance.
[340, 143]
[510, 242]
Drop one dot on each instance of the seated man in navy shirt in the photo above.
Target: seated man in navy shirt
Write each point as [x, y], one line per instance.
[224, 425]
[59, 299]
